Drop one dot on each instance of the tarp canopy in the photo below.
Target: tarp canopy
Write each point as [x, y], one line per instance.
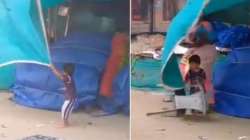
[86, 45]
[184, 21]
[21, 30]
[231, 98]
[51, 3]
[21, 34]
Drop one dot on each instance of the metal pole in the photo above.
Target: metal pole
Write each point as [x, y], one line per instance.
[41, 17]
[67, 25]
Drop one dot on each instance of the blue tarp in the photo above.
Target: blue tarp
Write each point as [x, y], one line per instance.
[231, 81]
[36, 86]
[233, 98]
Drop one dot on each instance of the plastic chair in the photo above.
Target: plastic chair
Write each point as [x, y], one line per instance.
[196, 101]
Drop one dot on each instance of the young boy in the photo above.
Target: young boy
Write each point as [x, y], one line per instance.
[69, 93]
[195, 76]
[207, 52]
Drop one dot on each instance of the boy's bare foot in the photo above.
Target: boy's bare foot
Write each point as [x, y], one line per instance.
[62, 125]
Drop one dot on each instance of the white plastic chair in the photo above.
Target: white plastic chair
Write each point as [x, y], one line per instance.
[196, 101]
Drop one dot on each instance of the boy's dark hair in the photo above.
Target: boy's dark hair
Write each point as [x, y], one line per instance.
[194, 59]
[69, 68]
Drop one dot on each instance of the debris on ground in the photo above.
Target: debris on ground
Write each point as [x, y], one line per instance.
[40, 137]
[161, 129]
[40, 125]
[3, 126]
[164, 108]
[147, 43]
[90, 123]
[243, 138]
[52, 122]
[2, 135]
[202, 138]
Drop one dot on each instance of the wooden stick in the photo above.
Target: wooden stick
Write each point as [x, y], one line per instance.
[160, 112]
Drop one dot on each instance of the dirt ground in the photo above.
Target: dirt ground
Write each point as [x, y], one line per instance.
[17, 122]
[146, 43]
[160, 127]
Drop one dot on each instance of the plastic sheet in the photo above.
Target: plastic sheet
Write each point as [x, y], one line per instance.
[231, 97]
[234, 37]
[7, 77]
[21, 35]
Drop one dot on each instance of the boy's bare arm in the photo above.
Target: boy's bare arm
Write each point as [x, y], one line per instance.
[56, 72]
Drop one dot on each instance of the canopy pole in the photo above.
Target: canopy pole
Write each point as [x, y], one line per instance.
[40, 11]
[67, 26]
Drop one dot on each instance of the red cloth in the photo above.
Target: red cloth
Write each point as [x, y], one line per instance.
[119, 50]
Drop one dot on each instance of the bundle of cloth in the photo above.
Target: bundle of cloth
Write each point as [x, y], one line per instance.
[234, 37]
[231, 36]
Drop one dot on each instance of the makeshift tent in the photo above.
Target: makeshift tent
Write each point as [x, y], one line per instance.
[85, 45]
[36, 86]
[228, 102]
